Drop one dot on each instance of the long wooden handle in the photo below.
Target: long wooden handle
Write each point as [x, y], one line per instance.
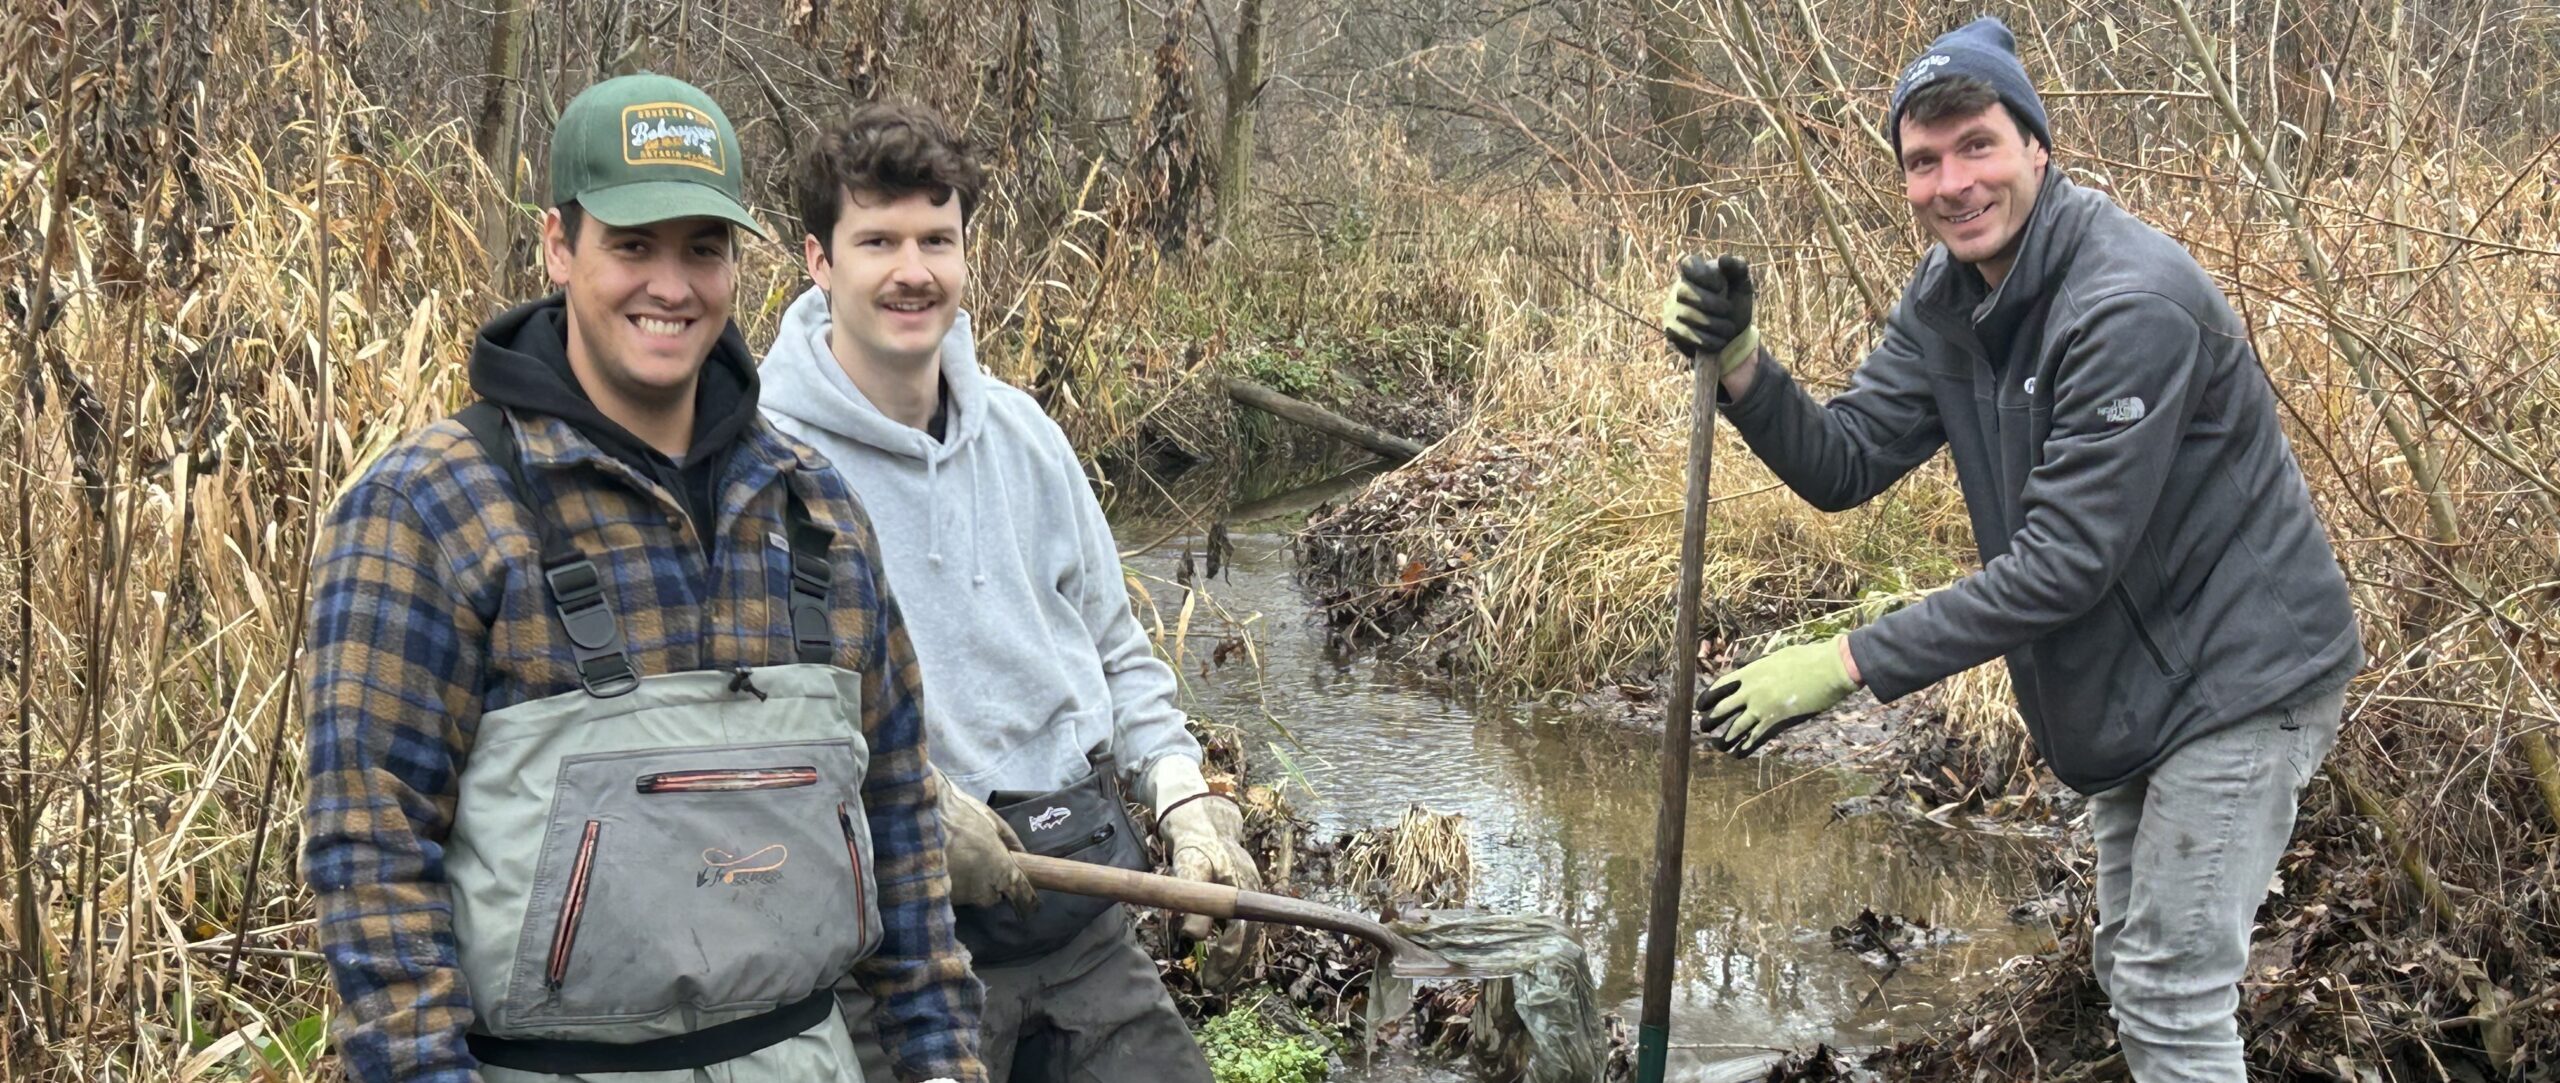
[1407, 958]
[1192, 896]
[1671, 820]
[1124, 885]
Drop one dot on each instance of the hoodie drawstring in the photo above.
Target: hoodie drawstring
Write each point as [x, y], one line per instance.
[932, 505]
[978, 547]
[933, 515]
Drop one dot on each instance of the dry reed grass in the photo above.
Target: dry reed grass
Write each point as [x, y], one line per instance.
[2392, 251]
[221, 308]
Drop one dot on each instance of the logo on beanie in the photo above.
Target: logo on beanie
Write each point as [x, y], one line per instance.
[671, 133]
[1924, 69]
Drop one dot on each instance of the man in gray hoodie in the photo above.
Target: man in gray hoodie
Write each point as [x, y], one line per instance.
[1044, 701]
[2152, 569]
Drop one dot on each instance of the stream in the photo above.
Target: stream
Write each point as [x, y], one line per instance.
[1560, 808]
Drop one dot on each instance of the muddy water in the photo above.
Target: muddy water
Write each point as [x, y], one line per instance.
[1562, 808]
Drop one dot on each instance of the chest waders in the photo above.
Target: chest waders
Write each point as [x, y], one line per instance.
[665, 873]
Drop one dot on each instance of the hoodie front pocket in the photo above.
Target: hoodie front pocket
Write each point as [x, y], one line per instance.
[698, 879]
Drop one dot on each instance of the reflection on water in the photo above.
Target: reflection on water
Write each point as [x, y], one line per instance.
[1562, 810]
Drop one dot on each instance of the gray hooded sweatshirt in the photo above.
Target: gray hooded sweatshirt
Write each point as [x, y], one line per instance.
[2152, 567]
[1001, 562]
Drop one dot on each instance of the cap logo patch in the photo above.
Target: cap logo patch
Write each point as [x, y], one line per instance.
[1924, 69]
[672, 133]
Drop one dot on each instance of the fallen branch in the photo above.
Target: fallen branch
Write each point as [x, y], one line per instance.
[2413, 862]
[2546, 771]
[1249, 393]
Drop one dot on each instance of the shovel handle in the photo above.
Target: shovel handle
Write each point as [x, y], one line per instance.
[1190, 896]
[1405, 957]
[1124, 885]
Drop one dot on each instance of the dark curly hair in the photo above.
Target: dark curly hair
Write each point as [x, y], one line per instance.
[890, 149]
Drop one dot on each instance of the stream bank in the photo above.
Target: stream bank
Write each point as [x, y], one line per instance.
[2370, 962]
[1557, 799]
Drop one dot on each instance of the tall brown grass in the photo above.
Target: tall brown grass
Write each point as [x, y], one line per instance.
[2386, 217]
[218, 314]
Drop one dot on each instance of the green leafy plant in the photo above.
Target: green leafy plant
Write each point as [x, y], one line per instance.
[1244, 1047]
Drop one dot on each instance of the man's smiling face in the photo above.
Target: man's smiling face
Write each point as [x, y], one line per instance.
[646, 303]
[1972, 180]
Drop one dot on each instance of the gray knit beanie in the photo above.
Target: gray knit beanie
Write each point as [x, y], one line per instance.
[1985, 50]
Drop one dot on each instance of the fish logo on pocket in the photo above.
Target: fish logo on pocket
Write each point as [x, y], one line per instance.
[1050, 817]
[760, 867]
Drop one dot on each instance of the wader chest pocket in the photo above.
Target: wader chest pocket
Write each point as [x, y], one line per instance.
[703, 878]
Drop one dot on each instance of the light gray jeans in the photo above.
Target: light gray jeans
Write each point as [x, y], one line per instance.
[2184, 857]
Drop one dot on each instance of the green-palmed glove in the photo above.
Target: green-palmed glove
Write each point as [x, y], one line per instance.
[1753, 705]
[1707, 313]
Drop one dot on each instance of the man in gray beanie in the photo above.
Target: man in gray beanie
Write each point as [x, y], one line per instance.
[2173, 617]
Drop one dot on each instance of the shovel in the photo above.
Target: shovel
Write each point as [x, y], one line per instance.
[1662, 920]
[1403, 958]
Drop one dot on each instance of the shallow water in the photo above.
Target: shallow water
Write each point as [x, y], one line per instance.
[1561, 812]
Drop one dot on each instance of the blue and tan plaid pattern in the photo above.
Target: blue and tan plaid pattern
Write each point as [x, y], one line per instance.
[427, 610]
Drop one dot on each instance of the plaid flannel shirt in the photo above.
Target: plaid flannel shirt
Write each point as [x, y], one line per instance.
[427, 611]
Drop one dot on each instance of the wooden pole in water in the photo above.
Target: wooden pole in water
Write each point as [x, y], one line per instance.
[1670, 830]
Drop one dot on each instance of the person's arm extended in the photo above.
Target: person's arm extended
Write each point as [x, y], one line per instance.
[2123, 394]
[1840, 454]
[1836, 455]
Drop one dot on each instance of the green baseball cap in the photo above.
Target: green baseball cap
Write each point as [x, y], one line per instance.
[639, 149]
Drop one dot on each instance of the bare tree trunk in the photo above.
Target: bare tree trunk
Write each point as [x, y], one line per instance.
[495, 134]
[1235, 142]
[1669, 105]
[1072, 70]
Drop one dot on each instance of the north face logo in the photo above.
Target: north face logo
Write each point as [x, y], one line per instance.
[2124, 411]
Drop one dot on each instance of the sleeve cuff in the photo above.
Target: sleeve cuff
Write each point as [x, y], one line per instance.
[1875, 672]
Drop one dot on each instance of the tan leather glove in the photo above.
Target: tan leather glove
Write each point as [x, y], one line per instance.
[979, 846]
[1204, 835]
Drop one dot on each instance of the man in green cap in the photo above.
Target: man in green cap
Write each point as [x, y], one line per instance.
[615, 757]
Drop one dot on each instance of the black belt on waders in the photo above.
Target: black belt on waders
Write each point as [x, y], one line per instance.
[585, 612]
[675, 1052]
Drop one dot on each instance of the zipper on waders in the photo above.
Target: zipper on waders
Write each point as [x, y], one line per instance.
[844, 819]
[728, 780]
[573, 906]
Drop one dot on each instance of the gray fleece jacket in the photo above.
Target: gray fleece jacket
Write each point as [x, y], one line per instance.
[2151, 564]
[1001, 562]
